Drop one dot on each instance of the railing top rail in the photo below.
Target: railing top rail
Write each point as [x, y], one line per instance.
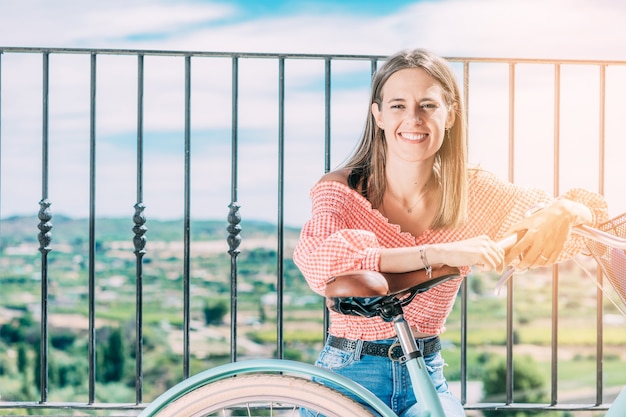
[211, 54]
[185, 267]
[288, 55]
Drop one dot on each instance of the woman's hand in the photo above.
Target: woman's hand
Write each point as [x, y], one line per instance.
[542, 234]
[480, 251]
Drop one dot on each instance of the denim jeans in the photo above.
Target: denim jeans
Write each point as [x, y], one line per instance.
[388, 380]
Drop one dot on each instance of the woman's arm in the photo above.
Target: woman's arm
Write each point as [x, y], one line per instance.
[545, 233]
[479, 251]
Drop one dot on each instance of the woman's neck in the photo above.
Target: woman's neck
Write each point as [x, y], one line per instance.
[408, 183]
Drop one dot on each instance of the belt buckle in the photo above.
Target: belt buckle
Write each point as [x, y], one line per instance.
[390, 353]
[349, 345]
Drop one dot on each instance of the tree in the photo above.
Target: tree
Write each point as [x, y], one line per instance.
[476, 284]
[528, 384]
[22, 358]
[112, 364]
[214, 312]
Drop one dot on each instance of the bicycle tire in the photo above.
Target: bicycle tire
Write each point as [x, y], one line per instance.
[282, 395]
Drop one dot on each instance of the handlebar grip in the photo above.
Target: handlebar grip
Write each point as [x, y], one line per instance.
[508, 241]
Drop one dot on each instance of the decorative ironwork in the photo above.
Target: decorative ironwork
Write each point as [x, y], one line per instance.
[234, 228]
[45, 237]
[234, 219]
[139, 240]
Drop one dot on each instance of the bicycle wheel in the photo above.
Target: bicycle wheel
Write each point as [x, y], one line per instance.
[263, 395]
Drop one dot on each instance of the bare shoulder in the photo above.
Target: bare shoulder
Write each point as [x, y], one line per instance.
[339, 175]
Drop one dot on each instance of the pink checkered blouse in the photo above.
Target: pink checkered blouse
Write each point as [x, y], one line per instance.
[346, 233]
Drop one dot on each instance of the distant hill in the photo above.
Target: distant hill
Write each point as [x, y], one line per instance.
[20, 229]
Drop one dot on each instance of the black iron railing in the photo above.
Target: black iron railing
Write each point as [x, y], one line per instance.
[331, 77]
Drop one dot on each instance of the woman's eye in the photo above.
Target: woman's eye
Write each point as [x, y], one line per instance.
[397, 106]
[429, 106]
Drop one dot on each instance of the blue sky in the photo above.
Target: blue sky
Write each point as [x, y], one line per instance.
[250, 9]
[533, 28]
[565, 29]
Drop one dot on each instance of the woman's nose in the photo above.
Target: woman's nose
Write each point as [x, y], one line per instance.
[416, 118]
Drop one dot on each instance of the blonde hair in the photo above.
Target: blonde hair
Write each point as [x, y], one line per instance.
[367, 162]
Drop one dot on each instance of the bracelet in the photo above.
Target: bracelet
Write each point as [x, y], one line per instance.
[427, 267]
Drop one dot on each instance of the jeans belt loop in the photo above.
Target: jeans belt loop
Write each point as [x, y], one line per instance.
[420, 344]
[358, 349]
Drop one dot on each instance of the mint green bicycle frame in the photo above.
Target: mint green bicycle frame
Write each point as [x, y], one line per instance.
[423, 387]
[265, 366]
[422, 384]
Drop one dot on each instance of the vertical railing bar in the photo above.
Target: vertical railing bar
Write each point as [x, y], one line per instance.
[511, 121]
[44, 228]
[464, 284]
[45, 125]
[557, 129]
[45, 225]
[554, 354]
[599, 293]
[1, 54]
[234, 217]
[327, 150]
[139, 239]
[509, 296]
[186, 221]
[327, 114]
[463, 353]
[92, 228]
[281, 202]
[466, 95]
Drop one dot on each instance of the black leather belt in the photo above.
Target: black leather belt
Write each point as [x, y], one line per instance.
[393, 351]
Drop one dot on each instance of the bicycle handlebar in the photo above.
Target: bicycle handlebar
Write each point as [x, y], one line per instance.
[365, 283]
[600, 236]
[581, 230]
[588, 232]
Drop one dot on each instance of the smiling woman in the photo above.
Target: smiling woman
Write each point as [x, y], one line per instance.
[406, 201]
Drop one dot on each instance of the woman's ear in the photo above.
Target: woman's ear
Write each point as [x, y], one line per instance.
[451, 115]
[377, 115]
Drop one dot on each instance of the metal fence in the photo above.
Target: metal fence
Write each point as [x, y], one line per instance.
[517, 109]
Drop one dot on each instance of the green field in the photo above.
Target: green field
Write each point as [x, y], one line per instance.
[533, 330]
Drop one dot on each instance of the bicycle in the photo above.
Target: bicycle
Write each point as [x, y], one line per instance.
[283, 386]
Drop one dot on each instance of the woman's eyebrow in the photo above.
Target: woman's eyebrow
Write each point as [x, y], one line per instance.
[421, 100]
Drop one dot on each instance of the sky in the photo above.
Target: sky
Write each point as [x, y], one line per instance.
[556, 29]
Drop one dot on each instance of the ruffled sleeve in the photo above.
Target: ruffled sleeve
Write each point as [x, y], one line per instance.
[328, 244]
[600, 214]
[595, 202]
[502, 204]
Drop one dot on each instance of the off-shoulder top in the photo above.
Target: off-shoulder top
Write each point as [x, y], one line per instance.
[346, 233]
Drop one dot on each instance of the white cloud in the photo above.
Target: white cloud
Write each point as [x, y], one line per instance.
[480, 28]
[531, 28]
[102, 24]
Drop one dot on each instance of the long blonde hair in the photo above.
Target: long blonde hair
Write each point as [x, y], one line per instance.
[367, 162]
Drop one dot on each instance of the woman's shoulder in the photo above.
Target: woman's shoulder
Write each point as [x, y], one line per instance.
[338, 175]
[478, 176]
[333, 188]
[336, 180]
[487, 186]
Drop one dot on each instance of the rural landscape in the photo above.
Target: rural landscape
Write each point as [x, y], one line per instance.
[209, 273]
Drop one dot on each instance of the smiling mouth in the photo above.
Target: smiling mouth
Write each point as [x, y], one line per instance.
[414, 136]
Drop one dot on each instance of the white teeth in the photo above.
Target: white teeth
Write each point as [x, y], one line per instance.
[411, 136]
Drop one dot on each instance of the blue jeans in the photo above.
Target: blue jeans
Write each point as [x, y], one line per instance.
[388, 380]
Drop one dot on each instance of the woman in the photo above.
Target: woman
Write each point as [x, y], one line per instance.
[406, 200]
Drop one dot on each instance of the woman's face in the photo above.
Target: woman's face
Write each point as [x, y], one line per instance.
[413, 114]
